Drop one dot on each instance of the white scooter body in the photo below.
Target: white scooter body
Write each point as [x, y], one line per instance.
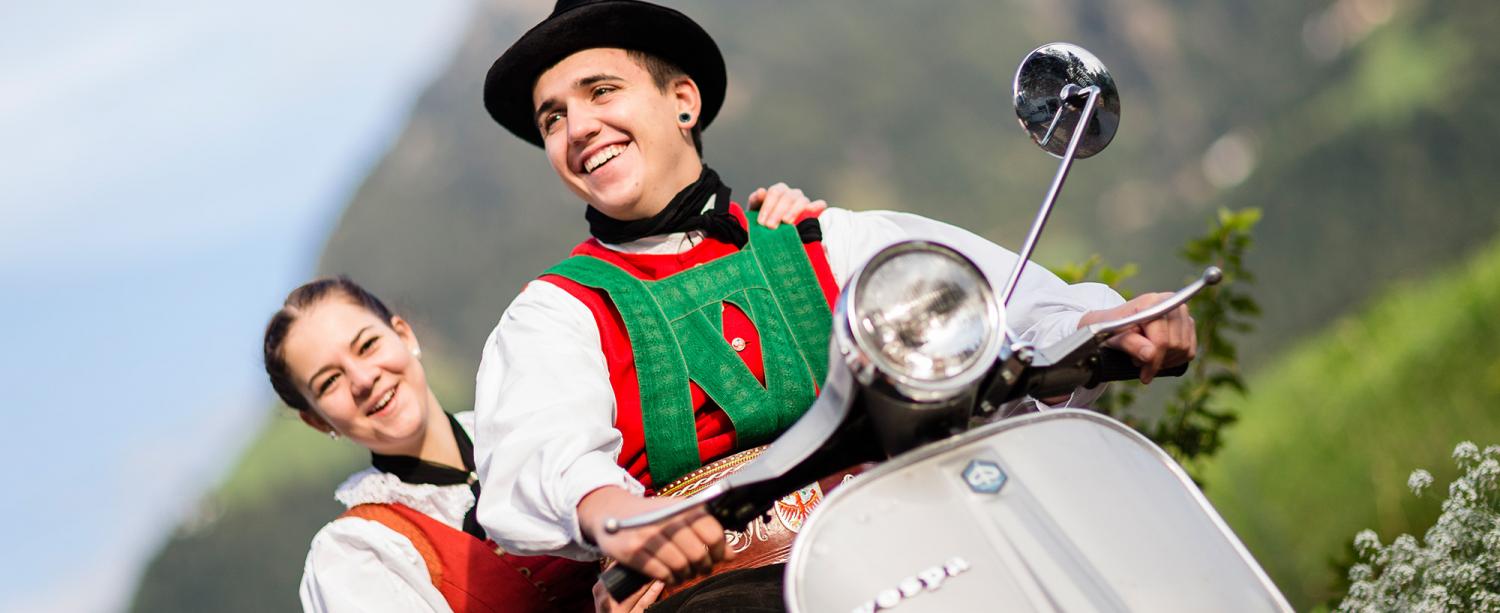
[1083, 514]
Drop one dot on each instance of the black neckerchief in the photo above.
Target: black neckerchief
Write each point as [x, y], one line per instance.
[683, 214]
[412, 470]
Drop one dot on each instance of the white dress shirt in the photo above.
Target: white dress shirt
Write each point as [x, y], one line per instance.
[545, 408]
[356, 564]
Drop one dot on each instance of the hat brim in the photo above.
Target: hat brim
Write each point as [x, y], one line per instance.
[624, 24]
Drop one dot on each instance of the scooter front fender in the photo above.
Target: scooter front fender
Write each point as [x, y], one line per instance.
[1057, 511]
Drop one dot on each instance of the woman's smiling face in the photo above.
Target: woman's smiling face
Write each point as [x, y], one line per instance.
[360, 375]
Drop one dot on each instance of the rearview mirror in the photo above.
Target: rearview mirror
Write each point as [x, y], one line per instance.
[1050, 89]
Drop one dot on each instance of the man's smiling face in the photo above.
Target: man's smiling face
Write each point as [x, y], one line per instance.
[613, 136]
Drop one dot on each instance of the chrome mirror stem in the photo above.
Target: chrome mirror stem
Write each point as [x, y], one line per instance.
[1069, 93]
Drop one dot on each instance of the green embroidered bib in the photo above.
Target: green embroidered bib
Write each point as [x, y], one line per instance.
[675, 327]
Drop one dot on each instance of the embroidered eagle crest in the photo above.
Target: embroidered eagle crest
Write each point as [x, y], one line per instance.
[794, 508]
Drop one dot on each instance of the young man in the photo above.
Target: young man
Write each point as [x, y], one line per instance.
[602, 380]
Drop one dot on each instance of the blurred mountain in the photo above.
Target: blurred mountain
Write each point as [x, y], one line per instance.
[243, 550]
[1356, 125]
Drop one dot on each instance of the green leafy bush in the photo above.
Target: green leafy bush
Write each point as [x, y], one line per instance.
[1192, 421]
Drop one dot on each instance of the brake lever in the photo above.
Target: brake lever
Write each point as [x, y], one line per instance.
[613, 525]
[1211, 276]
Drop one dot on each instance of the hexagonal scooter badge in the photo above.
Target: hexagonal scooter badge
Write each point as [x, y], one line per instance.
[984, 476]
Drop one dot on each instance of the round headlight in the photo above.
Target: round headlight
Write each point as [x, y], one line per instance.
[924, 316]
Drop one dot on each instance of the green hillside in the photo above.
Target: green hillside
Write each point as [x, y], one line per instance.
[286, 454]
[1332, 429]
[243, 559]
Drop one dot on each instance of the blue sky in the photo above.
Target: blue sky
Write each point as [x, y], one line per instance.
[168, 170]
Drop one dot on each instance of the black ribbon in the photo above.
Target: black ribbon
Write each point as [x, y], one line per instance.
[810, 230]
[416, 471]
[683, 214]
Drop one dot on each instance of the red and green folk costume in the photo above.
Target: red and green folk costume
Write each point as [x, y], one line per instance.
[710, 351]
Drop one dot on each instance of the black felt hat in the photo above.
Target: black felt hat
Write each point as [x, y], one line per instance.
[575, 25]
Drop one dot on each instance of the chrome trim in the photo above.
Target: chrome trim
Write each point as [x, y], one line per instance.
[869, 370]
[613, 525]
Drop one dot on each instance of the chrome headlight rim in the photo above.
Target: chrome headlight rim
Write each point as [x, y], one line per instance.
[869, 363]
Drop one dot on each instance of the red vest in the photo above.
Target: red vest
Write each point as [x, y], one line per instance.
[715, 432]
[473, 578]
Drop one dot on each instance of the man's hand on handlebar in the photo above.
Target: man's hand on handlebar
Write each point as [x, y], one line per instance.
[1162, 343]
[672, 550]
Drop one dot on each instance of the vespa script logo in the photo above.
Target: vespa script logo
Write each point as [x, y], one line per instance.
[925, 581]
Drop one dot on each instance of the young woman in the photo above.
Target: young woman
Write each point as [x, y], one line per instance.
[409, 541]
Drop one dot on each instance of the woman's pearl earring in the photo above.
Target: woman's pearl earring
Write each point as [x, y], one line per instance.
[416, 352]
[333, 434]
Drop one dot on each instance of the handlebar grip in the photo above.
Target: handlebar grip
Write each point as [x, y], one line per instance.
[1116, 365]
[621, 581]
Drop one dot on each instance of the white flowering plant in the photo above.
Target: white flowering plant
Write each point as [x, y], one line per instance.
[1456, 567]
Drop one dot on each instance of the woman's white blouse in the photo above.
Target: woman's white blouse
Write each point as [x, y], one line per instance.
[545, 407]
[356, 564]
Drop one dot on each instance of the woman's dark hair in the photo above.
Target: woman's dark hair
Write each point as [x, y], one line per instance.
[297, 303]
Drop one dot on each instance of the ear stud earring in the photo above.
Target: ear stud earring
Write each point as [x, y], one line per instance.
[684, 117]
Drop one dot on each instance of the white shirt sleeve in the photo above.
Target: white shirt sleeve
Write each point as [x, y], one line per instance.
[356, 564]
[545, 424]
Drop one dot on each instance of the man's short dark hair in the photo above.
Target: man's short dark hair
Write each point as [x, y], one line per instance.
[662, 74]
